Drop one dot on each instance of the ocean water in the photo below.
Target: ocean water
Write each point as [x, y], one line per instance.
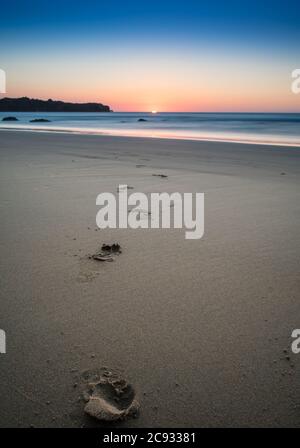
[269, 128]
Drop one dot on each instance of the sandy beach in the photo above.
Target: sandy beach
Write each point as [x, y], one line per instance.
[201, 329]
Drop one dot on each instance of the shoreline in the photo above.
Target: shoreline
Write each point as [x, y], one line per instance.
[110, 133]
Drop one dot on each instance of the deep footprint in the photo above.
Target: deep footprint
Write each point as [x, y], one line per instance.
[111, 399]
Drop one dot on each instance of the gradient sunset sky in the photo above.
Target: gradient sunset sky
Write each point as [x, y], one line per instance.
[145, 55]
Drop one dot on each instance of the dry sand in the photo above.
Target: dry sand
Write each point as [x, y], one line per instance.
[201, 328]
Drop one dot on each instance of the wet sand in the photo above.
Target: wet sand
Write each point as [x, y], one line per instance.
[202, 329]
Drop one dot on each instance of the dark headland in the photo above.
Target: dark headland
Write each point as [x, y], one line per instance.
[34, 105]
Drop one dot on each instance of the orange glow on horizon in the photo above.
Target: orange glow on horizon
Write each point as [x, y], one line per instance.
[206, 83]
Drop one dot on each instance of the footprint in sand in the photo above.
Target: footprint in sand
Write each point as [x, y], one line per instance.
[124, 188]
[107, 252]
[141, 213]
[163, 176]
[111, 398]
[87, 271]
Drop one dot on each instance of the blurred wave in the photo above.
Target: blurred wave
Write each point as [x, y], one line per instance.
[272, 128]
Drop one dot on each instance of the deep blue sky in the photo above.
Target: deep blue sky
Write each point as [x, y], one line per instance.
[279, 20]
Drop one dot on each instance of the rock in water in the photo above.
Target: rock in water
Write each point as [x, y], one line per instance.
[10, 119]
[40, 120]
[112, 399]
